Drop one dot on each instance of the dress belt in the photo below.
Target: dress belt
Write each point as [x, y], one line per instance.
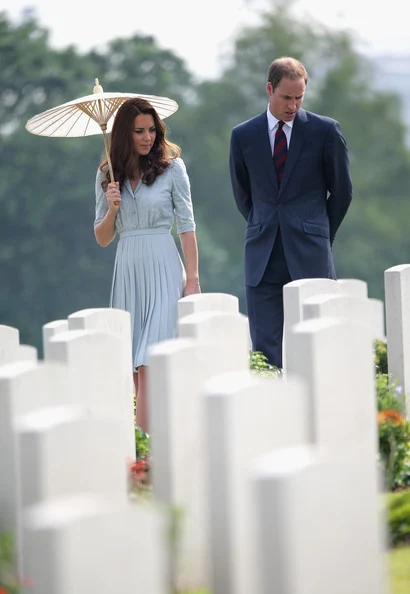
[152, 231]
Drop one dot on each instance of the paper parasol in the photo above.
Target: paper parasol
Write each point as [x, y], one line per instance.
[92, 114]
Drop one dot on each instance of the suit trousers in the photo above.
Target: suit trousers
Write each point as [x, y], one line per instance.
[265, 306]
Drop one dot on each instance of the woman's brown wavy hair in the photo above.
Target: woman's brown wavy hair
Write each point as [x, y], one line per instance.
[121, 146]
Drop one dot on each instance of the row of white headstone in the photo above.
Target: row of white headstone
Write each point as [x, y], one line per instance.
[277, 479]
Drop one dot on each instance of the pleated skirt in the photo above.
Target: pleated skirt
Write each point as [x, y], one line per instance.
[148, 280]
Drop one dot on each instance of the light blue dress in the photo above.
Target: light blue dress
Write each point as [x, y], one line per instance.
[149, 276]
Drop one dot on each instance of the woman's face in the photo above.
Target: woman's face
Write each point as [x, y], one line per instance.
[143, 133]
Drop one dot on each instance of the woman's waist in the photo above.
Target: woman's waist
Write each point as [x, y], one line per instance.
[145, 231]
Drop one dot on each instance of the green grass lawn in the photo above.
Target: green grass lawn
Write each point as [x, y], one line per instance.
[399, 570]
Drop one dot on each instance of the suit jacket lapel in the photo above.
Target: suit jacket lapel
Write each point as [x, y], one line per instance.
[296, 143]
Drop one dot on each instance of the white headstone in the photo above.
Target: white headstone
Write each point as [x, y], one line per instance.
[51, 329]
[24, 387]
[294, 294]
[87, 544]
[14, 354]
[397, 292]
[354, 287]
[117, 322]
[96, 364]
[355, 309]
[221, 302]
[246, 416]
[9, 336]
[378, 319]
[335, 359]
[11, 351]
[349, 306]
[311, 532]
[93, 359]
[64, 453]
[229, 332]
[177, 371]
[112, 320]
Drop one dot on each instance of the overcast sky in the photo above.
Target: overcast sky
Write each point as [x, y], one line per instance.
[200, 32]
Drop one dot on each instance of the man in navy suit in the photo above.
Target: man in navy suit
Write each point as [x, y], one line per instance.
[293, 197]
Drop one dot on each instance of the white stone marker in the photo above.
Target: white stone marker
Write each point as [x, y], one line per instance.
[51, 329]
[177, 371]
[24, 387]
[378, 315]
[221, 302]
[335, 359]
[64, 453]
[22, 352]
[116, 322]
[358, 288]
[397, 291]
[348, 307]
[353, 287]
[311, 533]
[294, 294]
[378, 319]
[345, 305]
[11, 351]
[229, 332]
[96, 369]
[9, 336]
[246, 416]
[86, 545]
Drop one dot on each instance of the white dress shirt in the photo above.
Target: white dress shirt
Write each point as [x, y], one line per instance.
[273, 126]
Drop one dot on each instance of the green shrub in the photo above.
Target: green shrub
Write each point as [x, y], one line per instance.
[258, 363]
[8, 581]
[380, 356]
[393, 432]
[142, 443]
[389, 393]
[393, 427]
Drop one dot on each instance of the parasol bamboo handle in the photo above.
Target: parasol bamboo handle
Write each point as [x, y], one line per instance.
[107, 152]
[98, 89]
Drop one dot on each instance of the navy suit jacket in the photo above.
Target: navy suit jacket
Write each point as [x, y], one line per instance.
[313, 198]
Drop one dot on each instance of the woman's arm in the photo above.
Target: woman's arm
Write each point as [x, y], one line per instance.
[190, 251]
[104, 231]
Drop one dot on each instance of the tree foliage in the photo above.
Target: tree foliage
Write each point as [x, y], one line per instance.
[50, 264]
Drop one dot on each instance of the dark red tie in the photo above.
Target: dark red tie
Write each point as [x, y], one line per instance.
[280, 151]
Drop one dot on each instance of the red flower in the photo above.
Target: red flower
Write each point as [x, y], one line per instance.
[139, 471]
[140, 466]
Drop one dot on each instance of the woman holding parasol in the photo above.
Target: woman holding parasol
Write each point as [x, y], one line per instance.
[150, 192]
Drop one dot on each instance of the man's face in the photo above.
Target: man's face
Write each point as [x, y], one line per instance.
[286, 100]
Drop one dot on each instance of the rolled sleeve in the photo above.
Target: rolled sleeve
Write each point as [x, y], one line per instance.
[181, 198]
[101, 205]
